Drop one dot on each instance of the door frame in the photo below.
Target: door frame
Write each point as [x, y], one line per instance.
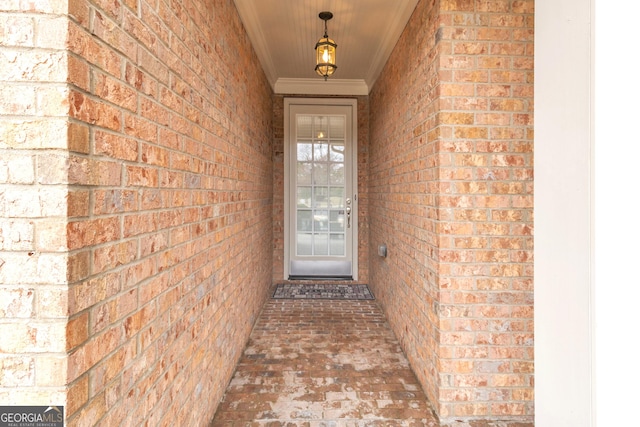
[338, 102]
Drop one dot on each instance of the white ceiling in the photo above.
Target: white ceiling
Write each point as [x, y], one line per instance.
[284, 34]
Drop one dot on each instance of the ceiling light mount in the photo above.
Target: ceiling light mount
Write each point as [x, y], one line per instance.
[325, 16]
[326, 50]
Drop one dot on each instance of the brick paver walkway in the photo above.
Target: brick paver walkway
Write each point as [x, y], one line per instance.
[323, 363]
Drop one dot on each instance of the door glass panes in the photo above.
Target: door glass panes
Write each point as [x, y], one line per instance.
[304, 151]
[320, 182]
[320, 127]
[304, 197]
[321, 173]
[304, 127]
[336, 244]
[305, 222]
[336, 197]
[337, 151]
[304, 173]
[303, 243]
[336, 126]
[336, 173]
[320, 221]
[336, 221]
[320, 244]
[320, 197]
[320, 152]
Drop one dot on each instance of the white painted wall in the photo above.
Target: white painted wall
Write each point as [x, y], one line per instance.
[617, 213]
[587, 193]
[562, 209]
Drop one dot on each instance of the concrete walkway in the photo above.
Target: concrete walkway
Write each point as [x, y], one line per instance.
[323, 363]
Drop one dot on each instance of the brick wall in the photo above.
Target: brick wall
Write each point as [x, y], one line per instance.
[451, 195]
[278, 189]
[403, 192]
[33, 207]
[148, 196]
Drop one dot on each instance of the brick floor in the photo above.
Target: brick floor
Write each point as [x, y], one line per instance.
[323, 363]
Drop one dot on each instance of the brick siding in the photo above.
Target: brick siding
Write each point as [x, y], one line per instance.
[136, 179]
[451, 194]
[141, 179]
[34, 266]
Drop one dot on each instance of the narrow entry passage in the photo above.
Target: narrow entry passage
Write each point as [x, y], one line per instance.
[323, 363]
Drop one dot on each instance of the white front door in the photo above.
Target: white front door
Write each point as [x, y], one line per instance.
[320, 183]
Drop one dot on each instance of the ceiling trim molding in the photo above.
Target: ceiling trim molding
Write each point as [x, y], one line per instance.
[398, 22]
[253, 28]
[287, 86]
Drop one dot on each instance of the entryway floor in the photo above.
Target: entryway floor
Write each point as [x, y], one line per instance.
[329, 363]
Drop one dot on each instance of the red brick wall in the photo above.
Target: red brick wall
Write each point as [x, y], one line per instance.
[451, 195]
[403, 192]
[278, 189]
[176, 195]
[151, 205]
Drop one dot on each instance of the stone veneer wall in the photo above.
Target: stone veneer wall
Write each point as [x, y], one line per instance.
[278, 188]
[451, 194]
[135, 190]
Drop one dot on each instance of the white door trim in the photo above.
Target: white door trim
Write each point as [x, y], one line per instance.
[353, 103]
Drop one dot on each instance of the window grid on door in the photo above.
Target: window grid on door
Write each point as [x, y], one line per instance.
[320, 186]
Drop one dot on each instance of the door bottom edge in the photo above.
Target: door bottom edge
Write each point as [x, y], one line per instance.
[320, 278]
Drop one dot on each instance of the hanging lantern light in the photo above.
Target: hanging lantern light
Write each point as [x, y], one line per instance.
[325, 50]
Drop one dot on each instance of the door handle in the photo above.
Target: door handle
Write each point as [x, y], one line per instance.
[348, 217]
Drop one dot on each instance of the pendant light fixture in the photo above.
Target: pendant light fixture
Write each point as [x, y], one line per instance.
[325, 50]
